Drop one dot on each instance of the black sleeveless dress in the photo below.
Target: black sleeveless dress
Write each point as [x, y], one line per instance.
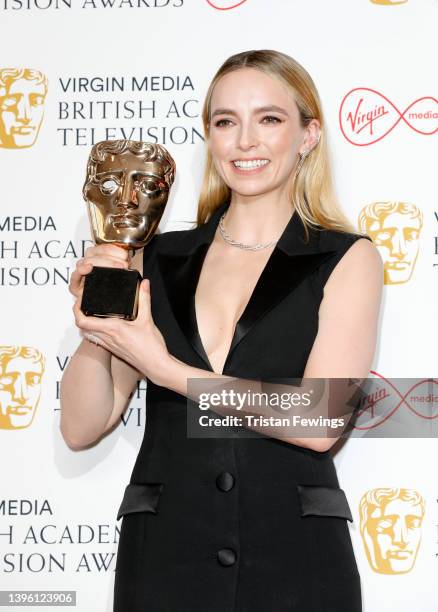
[236, 524]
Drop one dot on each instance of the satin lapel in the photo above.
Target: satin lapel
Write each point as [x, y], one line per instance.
[290, 262]
[180, 275]
[279, 278]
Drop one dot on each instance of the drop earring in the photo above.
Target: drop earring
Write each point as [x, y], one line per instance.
[302, 156]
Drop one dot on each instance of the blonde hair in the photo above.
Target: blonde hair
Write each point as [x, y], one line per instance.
[313, 195]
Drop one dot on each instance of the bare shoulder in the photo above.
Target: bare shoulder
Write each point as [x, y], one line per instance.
[360, 265]
[349, 311]
[353, 295]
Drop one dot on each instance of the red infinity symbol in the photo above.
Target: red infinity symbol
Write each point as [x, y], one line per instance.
[373, 402]
[366, 116]
[225, 8]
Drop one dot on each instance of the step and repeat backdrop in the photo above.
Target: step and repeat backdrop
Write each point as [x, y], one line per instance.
[74, 72]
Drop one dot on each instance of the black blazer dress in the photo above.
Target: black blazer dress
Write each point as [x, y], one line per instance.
[235, 524]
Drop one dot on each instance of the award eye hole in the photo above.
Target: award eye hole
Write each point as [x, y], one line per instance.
[33, 378]
[8, 102]
[37, 99]
[6, 381]
[413, 522]
[108, 186]
[412, 234]
[382, 525]
[383, 236]
[149, 186]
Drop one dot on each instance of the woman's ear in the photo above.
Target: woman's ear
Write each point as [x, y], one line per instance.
[312, 135]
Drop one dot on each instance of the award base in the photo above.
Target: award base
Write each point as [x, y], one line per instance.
[111, 292]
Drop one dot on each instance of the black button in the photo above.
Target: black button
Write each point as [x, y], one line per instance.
[225, 481]
[226, 556]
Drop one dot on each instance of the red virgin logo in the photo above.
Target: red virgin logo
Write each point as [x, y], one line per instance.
[225, 5]
[367, 116]
[383, 397]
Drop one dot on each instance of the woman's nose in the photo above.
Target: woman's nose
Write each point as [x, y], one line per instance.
[247, 137]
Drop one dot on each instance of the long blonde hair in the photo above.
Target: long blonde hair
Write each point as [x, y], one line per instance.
[313, 195]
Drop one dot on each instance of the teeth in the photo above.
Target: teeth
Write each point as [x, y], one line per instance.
[256, 163]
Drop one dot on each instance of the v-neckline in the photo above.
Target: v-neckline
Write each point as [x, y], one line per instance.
[244, 312]
[181, 259]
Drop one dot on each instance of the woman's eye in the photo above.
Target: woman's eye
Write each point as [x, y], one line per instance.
[267, 119]
[272, 119]
[108, 186]
[221, 122]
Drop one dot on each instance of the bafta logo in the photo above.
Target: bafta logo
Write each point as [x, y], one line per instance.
[22, 95]
[389, 2]
[390, 526]
[21, 371]
[395, 230]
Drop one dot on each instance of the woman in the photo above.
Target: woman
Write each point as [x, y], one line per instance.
[236, 523]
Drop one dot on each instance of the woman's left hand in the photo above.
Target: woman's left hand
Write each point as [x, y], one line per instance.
[139, 342]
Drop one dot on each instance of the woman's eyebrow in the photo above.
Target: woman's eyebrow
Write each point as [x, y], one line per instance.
[261, 109]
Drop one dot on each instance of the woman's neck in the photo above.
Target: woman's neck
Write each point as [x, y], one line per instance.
[257, 219]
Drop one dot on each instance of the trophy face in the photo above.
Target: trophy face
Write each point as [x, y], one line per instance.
[126, 190]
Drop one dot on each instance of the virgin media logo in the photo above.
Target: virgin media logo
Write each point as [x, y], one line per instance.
[225, 5]
[366, 116]
[398, 407]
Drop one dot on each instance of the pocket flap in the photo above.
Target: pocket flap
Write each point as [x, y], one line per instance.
[323, 501]
[140, 498]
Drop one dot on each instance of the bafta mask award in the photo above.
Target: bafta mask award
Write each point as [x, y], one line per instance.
[126, 191]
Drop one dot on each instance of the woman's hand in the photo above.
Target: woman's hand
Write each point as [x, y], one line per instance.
[106, 255]
[139, 342]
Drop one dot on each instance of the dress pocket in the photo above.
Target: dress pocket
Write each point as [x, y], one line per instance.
[140, 502]
[140, 498]
[321, 500]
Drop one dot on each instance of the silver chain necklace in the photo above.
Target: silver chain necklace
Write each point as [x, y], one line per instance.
[241, 245]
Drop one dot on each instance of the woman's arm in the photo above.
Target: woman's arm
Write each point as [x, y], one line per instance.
[343, 349]
[96, 386]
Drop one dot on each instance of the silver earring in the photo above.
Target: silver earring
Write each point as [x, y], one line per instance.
[303, 156]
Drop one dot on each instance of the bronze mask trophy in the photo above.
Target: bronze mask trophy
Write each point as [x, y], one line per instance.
[126, 190]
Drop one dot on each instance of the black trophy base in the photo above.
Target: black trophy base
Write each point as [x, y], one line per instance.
[111, 292]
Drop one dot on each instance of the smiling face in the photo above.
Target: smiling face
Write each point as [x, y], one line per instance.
[126, 197]
[255, 135]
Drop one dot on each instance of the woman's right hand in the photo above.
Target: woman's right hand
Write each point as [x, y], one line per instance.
[106, 255]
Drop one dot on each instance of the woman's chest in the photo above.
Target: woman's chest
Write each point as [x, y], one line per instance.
[271, 338]
[225, 286]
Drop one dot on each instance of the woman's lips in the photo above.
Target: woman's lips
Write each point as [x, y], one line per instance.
[250, 171]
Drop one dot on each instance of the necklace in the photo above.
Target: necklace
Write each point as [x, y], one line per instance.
[240, 245]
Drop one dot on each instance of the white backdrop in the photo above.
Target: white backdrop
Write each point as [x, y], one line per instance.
[58, 528]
